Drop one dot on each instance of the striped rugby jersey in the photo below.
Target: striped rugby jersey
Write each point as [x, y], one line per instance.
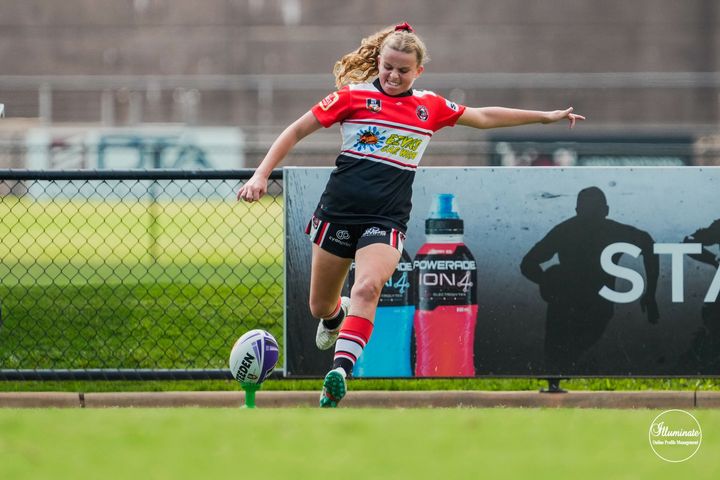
[384, 138]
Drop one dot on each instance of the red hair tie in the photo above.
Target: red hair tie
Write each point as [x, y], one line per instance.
[404, 26]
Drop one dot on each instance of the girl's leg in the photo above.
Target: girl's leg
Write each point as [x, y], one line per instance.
[374, 265]
[326, 281]
[327, 276]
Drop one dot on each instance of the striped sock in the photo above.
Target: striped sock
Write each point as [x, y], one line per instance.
[334, 320]
[353, 337]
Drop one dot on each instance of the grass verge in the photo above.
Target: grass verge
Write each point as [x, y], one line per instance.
[486, 384]
[352, 443]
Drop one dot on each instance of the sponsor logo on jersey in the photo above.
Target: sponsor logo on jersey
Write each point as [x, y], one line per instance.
[451, 105]
[373, 104]
[396, 144]
[404, 146]
[422, 112]
[370, 139]
[328, 101]
[374, 232]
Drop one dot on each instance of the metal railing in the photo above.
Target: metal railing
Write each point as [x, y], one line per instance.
[137, 95]
[134, 274]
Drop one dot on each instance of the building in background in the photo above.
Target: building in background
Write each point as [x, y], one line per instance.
[648, 66]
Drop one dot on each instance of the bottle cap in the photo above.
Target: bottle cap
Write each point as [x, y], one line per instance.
[443, 218]
[443, 206]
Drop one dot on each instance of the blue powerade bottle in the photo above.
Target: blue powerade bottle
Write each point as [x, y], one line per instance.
[387, 354]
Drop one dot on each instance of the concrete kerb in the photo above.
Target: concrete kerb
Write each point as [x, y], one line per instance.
[368, 399]
[39, 400]
[708, 400]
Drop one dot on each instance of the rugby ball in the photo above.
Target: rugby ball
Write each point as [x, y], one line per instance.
[253, 357]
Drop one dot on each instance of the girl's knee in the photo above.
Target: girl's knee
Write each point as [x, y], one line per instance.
[367, 289]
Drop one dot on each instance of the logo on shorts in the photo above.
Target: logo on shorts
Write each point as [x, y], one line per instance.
[373, 104]
[315, 222]
[422, 112]
[340, 237]
[374, 232]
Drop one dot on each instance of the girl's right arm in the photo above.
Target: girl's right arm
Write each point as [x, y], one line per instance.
[256, 187]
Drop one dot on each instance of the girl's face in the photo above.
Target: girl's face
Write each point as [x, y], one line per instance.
[398, 70]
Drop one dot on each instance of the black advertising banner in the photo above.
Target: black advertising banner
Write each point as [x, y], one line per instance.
[534, 272]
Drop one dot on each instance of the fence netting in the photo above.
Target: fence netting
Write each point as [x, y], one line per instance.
[139, 275]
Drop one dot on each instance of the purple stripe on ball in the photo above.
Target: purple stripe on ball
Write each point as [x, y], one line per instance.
[270, 356]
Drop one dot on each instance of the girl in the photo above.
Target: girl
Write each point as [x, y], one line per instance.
[364, 210]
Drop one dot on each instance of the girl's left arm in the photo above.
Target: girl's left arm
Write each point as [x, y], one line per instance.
[494, 117]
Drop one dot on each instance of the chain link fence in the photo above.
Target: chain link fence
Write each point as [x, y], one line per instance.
[134, 274]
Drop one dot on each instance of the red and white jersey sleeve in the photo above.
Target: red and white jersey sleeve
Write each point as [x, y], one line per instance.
[445, 112]
[333, 108]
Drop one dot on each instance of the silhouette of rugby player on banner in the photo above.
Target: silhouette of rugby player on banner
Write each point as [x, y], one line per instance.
[703, 356]
[577, 315]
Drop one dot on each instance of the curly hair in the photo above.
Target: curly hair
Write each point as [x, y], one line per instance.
[360, 65]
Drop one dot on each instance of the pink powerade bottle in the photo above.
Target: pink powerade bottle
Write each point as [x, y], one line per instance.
[446, 307]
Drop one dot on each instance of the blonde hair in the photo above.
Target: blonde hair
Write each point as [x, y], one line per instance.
[360, 65]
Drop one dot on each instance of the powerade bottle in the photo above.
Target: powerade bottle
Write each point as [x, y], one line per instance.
[446, 282]
[387, 354]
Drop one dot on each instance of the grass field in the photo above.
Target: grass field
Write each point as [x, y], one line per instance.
[136, 284]
[348, 444]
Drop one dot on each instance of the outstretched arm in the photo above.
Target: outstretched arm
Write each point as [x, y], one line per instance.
[256, 187]
[494, 117]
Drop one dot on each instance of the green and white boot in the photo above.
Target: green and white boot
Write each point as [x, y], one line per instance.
[334, 388]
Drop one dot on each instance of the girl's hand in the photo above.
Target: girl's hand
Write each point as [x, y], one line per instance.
[255, 188]
[556, 115]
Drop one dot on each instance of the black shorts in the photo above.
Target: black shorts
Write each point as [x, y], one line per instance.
[344, 240]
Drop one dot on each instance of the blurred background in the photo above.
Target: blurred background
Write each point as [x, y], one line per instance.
[187, 84]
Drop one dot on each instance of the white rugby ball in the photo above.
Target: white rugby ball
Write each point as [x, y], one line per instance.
[254, 356]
